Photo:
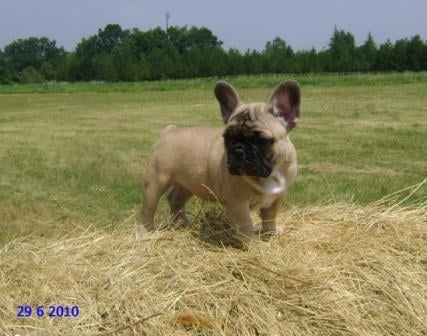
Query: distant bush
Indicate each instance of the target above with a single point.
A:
(30, 75)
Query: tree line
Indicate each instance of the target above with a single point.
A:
(116, 54)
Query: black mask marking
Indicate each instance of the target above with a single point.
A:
(248, 154)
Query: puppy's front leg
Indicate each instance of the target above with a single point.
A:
(240, 217)
(268, 216)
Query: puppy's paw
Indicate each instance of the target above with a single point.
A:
(258, 230)
(266, 234)
(142, 233)
(281, 230)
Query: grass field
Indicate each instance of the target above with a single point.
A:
(78, 159)
(73, 157)
(244, 82)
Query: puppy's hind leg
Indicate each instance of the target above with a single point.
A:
(177, 197)
(155, 187)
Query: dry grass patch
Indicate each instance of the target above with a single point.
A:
(337, 270)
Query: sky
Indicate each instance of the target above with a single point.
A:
(244, 24)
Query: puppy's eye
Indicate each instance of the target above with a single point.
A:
(265, 141)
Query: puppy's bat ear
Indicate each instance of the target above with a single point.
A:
(286, 101)
(228, 99)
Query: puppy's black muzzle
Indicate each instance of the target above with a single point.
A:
(247, 159)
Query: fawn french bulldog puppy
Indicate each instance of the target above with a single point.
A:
(247, 164)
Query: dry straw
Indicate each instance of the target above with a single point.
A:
(337, 270)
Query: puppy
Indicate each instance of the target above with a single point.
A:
(248, 164)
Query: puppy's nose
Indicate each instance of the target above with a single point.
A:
(239, 153)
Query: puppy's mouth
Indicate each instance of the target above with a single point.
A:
(234, 170)
(248, 171)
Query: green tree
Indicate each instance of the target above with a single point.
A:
(384, 60)
(192, 61)
(124, 64)
(343, 51)
(253, 61)
(279, 56)
(234, 61)
(212, 62)
(367, 54)
(4, 71)
(109, 38)
(400, 55)
(63, 69)
(32, 52)
(179, 37)
(160, 63)
(415, 53)
(423, 60)
(48, 71)
(143, 68)
(145, 42)
(104, 68)
(110, 50)
(203, 38)
(177, 67)
(82, 66)
(307, 61)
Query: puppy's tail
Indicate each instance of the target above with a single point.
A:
(167, 129)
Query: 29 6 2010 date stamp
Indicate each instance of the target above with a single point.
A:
(25, 311)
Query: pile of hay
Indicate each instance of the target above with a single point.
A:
(337, 270)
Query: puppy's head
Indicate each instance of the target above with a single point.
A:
(255, 134)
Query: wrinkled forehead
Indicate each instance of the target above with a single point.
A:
(257, 117)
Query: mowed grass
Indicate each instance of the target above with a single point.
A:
(78, 159)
